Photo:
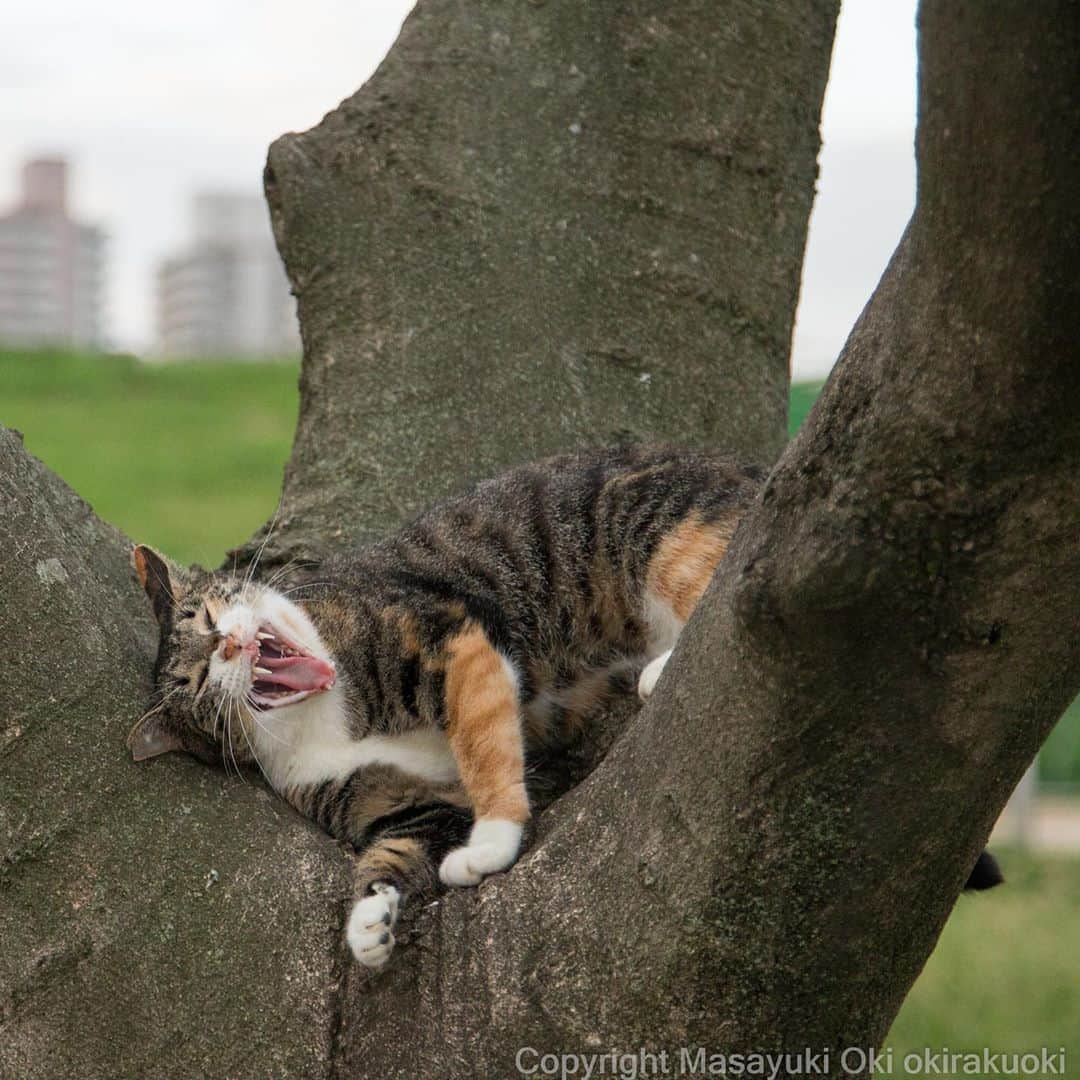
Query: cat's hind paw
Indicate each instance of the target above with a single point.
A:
(493, 846)
(650, 674)
(370, 932)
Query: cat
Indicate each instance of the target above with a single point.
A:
(397, 695)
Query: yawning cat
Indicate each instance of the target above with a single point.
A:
(395, 696)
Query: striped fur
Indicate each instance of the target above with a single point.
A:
(476, 638)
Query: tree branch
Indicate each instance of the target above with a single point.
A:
(149, 915)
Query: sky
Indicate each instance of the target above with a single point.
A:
(152, 102)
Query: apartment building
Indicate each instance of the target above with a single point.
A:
(51, 267)
(227, 294)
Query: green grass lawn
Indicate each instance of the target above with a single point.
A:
(800, 398)
(188, 457)
(1004, 974)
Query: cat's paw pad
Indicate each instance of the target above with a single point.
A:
(650, 675)
(493, 846)
(370, 932)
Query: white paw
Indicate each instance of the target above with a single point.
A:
(647, 682)
(493, 846)
(371, 925)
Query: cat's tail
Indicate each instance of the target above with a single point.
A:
(985, 874)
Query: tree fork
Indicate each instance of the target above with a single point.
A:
(488, 268)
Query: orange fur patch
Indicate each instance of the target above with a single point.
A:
(684, 563)
(484, 727)
(401, 860)
(392, 857)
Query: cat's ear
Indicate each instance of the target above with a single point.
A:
(151, 736)
(156, 578)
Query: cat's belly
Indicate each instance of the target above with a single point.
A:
(424, 754)
(320, 748)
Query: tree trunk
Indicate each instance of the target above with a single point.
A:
(539, 225)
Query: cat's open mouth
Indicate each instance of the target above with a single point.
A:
(284, 672)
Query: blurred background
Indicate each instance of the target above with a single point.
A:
(149, 349)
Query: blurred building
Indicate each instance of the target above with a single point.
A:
(227, 295)
(51, 267)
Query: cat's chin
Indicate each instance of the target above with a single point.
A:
(284, 672)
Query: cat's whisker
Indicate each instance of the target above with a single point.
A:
(306, 585)
(281, 571)
(154, 710)
(272, 734)
(232, 748)
(249, 577)
(255, 713)
(217, 717)
(254, 754)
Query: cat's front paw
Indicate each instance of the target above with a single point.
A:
(370, 932)
(650, 674)
(493, 846)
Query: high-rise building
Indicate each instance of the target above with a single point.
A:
(227, 295)
(51, 267)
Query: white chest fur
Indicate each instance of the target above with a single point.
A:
(309, 743)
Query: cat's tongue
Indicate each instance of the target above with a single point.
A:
(298, 672)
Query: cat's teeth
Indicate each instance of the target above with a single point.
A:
(264, 637)
(263, 671)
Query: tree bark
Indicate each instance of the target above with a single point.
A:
(539, 225)
(155, 921)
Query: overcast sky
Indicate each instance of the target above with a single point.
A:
(152, 102)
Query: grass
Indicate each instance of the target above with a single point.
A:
(1004, 973)
(1059, 759)
(188, 457)
(801, 397)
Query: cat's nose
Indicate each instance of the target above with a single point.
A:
(231, 646)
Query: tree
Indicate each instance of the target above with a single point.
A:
(887, 642)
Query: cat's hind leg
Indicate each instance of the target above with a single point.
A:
(400, 862)
(483, 725)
